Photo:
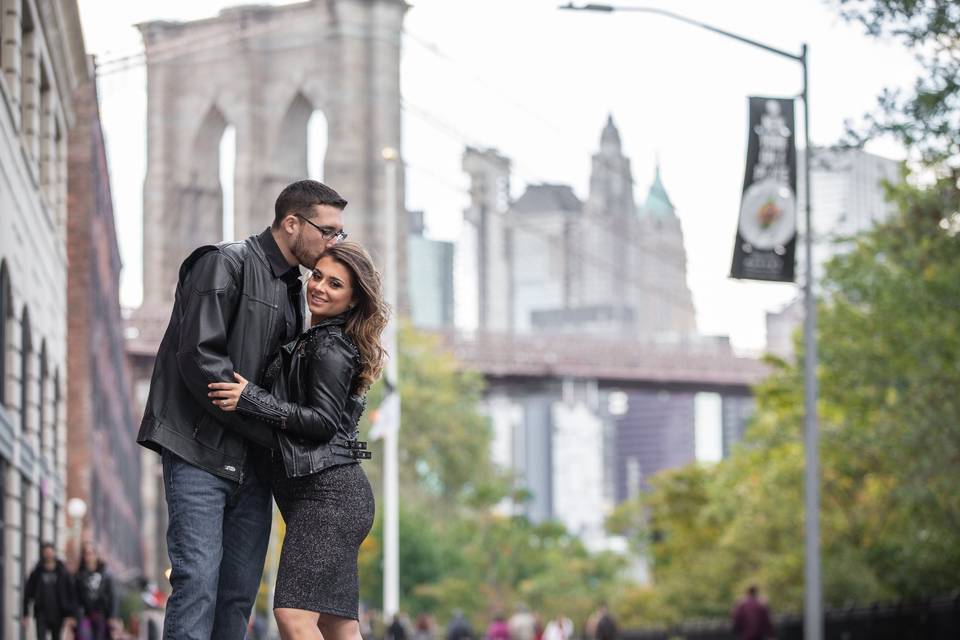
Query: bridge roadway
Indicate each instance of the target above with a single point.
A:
(504, 357)
(610, 361)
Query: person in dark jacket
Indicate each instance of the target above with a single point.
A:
(94, 595)
(48, 589)
(316, 393)
(751, 617)
(234, 305)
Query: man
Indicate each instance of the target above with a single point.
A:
(606, 625)
(751, 617)
(235, 304)
(459, 627)
(48, 589)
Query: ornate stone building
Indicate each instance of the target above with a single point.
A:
(550, 262)
(42, 59)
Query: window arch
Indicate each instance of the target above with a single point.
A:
(42, 400)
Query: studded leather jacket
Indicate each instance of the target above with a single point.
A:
(311, 404)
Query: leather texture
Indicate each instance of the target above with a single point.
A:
(311, 404)
(226, 317)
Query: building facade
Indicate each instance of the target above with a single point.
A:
(104, 469)
(42, 59)
(429, 278)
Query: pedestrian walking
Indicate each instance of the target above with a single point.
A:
(605, 627)
(459, 627)
(49, 591)
(396, 630)
(751, 617)
(235, 304)
(522, 624)
(423, 630)
(312, 397)
(559, 628)
(498, 628)
(95, 597)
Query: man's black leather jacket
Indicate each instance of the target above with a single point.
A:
(227, 316)
(312, 404)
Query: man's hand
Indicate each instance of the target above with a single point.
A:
(226, 395)
(25, 621)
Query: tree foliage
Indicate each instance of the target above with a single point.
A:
(925, 119)
(890, 444)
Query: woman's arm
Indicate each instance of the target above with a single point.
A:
(326, 387)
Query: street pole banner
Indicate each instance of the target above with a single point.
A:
(767, 230)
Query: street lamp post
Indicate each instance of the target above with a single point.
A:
(391, 497)
(813, 606)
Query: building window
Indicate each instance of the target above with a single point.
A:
(3, 538)
(26, 349)
(42, 428)
(6, 311)
(10, 56)
(30, 91)
(42, 401)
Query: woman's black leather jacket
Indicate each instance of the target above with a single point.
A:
(311, 404)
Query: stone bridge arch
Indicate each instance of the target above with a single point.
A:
(264, 70)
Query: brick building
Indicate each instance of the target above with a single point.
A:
(104, 469)
(42, 59)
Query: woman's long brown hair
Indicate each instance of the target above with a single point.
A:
(368, 317)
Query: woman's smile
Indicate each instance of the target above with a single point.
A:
(329, 290)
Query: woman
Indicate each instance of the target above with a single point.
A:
(317, 386)
(94, 596)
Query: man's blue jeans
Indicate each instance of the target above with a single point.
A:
(217, 539)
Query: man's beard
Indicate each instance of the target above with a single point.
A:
(306, 256)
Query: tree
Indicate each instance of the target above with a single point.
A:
(890, 454)
(926, 120)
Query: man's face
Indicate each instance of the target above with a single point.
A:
(48, 555)
(313, 239)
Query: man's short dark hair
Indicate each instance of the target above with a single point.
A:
(47, 545)
(298, 199)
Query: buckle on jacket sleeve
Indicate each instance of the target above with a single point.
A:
(356, 444)
(361, 455)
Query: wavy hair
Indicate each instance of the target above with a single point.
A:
(368, 317)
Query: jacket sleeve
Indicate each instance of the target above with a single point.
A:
(29, 592)
(211, 295)
(329, 374)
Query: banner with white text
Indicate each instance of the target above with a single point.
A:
(767, 230)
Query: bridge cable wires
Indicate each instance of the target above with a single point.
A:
(505, 97)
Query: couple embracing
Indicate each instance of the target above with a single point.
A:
(250, 400)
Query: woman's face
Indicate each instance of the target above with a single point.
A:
(330, 289)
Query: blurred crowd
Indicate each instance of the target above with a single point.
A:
(80, 605)
(522, 624)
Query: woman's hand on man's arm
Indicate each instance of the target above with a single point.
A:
(226, 395)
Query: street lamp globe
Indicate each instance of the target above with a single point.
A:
(76, 508)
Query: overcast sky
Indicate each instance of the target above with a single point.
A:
(538, 83)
